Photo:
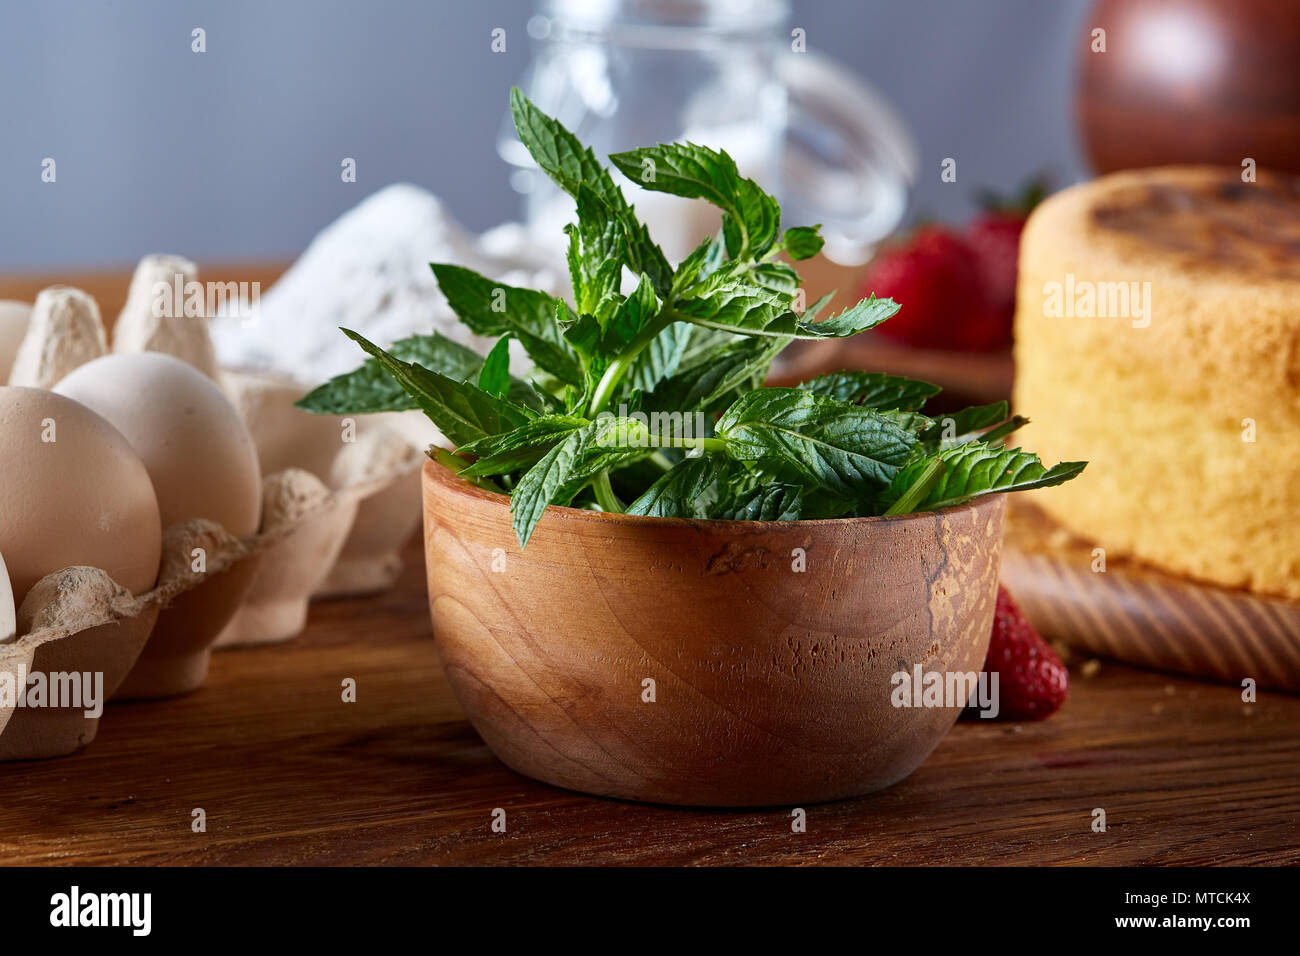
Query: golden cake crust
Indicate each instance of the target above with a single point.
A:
(1157, 332)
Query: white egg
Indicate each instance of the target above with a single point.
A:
(8, 613)
(72, 492)
(197, 450)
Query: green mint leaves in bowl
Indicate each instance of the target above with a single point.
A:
(650, 401)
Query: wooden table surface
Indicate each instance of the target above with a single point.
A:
(287, 773)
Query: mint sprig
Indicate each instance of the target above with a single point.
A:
(647, 386)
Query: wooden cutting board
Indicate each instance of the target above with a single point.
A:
(1135, 613)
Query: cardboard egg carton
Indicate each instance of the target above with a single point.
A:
(92, 641)
(339, 500)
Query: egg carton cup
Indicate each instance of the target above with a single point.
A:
(82, 633)
(207, 572)
(371, 560)
(253, 591)
(374, 461)
(306, 529)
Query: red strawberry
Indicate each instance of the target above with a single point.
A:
(995, 237)
(1032, 681)
(935, 276)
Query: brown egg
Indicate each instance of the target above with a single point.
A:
(72, 492)
(195, 447)
(1191, 81)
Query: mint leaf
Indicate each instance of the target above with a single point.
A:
(706, 258)
(661, 357)
(604, 252)
(489, 307)
(754, 232)
(802, 242)
(847, 449)
(751, 218)
(872, 389)
(371, 389)
(701, 386)
(716, 488)
(494, 376)
(558, 152)
(686, 491)
(979, 469)
(584, 336)
(632, 315)
(922, 482)
(770, 502)
(572, 166)
(964, 426)
(521, 448)
(739, 308)
(577, 266)
(776, 277)
(867, 314)
(461, 411)
(704, 343)
(569, 465)
(913, 422)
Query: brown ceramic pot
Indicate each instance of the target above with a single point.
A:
(771, 685)
(1190, 81)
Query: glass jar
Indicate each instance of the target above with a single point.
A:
(723, 73)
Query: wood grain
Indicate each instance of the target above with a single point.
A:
(288, 774)
(1138, 614)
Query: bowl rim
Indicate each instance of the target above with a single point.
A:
(435, 472)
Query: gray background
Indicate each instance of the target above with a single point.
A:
(234, 154)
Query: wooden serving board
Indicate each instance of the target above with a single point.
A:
(1135, 613)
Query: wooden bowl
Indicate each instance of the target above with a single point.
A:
(688, 662)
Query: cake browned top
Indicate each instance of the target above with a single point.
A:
(1208, 217)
